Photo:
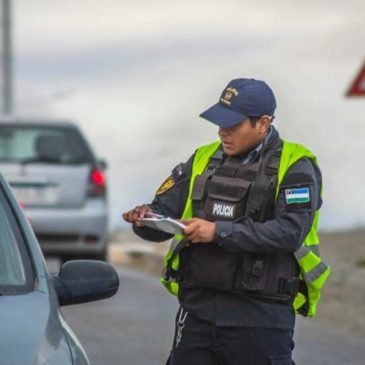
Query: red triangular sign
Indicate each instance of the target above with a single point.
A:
(358, 85)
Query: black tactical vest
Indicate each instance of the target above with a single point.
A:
(231, 191)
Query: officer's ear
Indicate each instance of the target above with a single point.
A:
(264, 124)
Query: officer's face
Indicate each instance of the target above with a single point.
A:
(243, 137)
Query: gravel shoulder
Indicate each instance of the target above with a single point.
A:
(342, 302)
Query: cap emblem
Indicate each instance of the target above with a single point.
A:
(228, 95)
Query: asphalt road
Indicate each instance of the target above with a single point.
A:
(136, 327)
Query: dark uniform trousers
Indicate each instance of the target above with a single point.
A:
(203, 343)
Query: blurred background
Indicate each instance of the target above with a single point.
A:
(134, 76)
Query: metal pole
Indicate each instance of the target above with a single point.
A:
(6, 62)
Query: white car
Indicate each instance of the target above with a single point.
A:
(60, 183)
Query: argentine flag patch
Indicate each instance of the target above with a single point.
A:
(300, 195)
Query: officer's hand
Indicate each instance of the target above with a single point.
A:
(199, 230)
(133, 216)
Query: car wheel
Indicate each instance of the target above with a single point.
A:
(65, 258)
(100, 256)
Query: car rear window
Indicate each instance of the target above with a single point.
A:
(42, 144)
(15, 267)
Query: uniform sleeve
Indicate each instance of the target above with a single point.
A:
(293, 216)
(169, 200)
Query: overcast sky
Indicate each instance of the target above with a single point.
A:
(136, 75)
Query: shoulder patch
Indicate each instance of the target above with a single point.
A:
(166, 185)
(179, 172)
(297, 195)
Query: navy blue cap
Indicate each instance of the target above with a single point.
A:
(242, 98)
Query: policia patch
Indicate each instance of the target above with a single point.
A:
(166, 185)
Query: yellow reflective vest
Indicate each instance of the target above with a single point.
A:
(313, 270)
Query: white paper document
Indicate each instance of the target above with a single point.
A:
(165, 224)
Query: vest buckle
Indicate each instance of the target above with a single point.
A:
(288, 286)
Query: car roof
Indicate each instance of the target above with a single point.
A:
(33, 120)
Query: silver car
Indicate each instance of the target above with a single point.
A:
(60, 183)
(33, 330)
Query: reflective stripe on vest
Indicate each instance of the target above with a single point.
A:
(201, 160)
(312, 269)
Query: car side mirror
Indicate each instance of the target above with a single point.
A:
(103, 165)
(82, 281)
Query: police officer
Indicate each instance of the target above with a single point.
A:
(250, 205)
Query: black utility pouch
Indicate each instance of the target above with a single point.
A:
(198, 194)
(252, 273)
(226, 198)
(200, 182)
(210, 267)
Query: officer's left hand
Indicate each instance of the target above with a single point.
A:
(199, 230)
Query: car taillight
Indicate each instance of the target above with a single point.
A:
(98, 177)
(97, 183)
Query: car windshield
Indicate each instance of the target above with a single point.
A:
(12, 271)
(42, 144)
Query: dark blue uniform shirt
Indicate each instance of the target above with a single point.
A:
(282, 234)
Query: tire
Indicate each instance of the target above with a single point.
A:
(65, 258)
(100, 256)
